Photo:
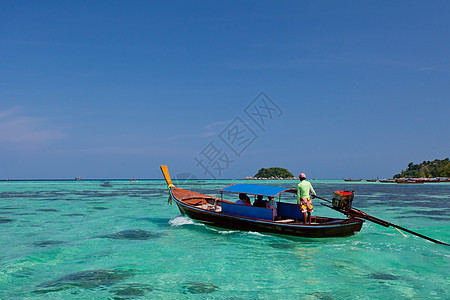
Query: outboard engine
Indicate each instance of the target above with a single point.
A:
(342, 199)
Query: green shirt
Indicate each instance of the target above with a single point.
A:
(303, 190)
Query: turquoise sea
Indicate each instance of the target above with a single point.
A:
(121, 240)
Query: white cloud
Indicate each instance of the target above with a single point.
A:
(218, 123)
(434, 67)
(6, 113)
(30, 131)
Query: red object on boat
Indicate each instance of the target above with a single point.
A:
(342, 199)
(343, 193)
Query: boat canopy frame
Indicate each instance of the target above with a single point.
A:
(256, 189)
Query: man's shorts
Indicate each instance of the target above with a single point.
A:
(306, 205)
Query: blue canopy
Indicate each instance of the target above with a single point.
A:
(255, 189)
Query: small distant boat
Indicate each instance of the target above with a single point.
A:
(78, 179)
(352, 180)
(283, 218)
(386, 180)
(409, 181)
(371, 180)
(133, 180)
(432, 180)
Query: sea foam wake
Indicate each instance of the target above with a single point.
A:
(180, 221)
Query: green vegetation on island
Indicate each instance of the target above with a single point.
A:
(426, 169)
(274, 172)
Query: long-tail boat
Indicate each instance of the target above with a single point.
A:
(409, 181)
(281, 217)
(352, 180)
(386, 180)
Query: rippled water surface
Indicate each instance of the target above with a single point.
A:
(121, 240)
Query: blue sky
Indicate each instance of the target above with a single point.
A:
(113, 89)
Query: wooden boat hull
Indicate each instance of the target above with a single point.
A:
(409, 181)
(320, 227)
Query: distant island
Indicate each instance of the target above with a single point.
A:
(272, 173)
(436, 170)
(426, 169)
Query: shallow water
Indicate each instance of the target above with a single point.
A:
(121, 240)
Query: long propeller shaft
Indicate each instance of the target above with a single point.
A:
(353, 212)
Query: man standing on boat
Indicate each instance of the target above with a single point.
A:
(304, 189)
